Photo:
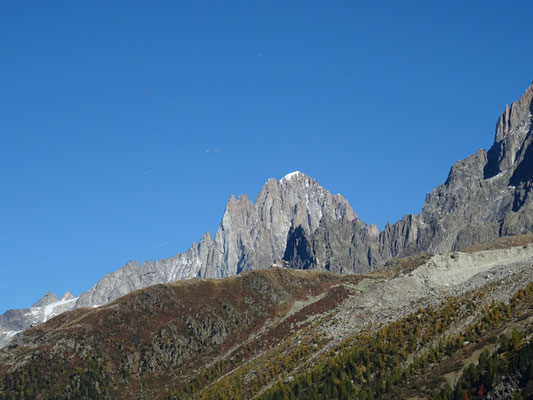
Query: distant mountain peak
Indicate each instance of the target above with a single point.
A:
(47, 299)
(67, 296)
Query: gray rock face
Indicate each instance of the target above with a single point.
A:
(48, 298)
(485, 196)
(512, 129)
(14, 320)
(338, 246)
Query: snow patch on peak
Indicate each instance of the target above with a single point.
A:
(290, 176)
(10, 334)
(50, 309)
(66, 296)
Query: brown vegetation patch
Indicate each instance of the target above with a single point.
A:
(503, 242)
(156, 338)
(406, 264)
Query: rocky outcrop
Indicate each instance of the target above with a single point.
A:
(512, 129)
(485, 196)
(338, 246)
(47, 299)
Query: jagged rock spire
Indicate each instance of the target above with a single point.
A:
(512, 127)
(48, 298)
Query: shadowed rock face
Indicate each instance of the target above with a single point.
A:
(486, 195)
(336, 246)
(298, 249)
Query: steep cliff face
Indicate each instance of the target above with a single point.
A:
(486, 195)
(338, 246)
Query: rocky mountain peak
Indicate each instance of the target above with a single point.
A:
(47, 299)
(514, 115)
(253, 235)
(465, 173)
(67, 296)
(512, 129)
(250, 236)
(302, 200)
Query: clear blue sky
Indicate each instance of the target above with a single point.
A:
(375, 100)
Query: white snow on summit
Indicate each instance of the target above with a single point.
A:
(290, 176)
(49, 309)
